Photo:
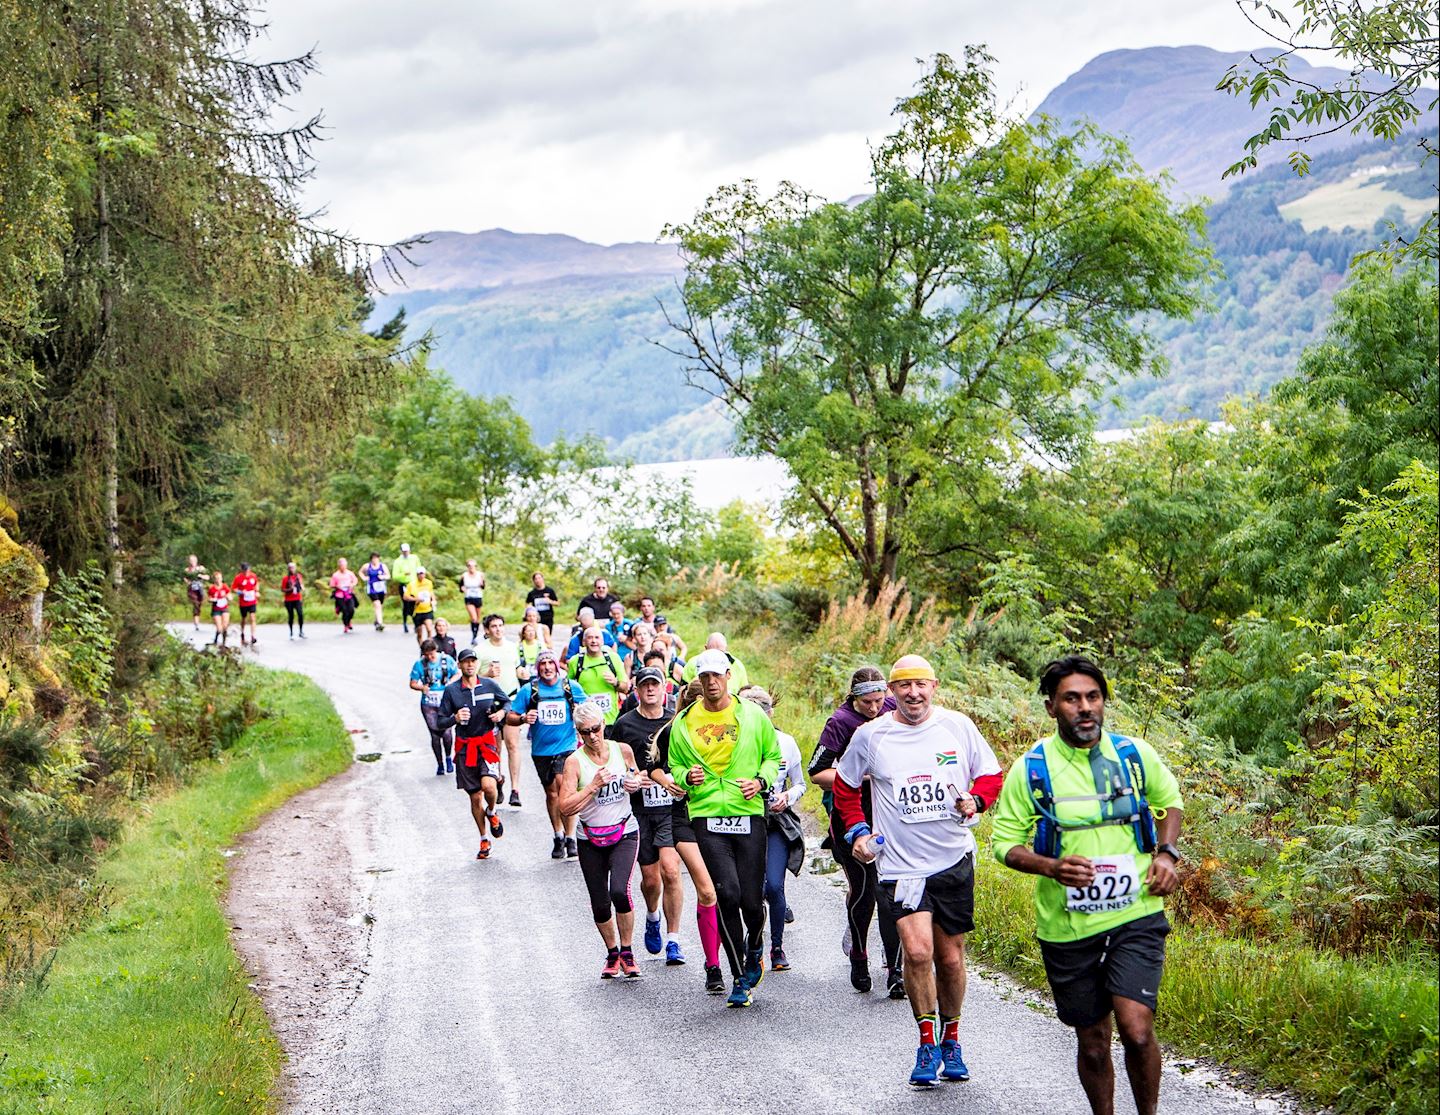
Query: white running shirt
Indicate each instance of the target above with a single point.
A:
(915, 772)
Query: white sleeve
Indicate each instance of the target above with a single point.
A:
(977, 751)
(794, 768)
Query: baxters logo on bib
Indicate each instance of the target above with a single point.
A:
(946, 759)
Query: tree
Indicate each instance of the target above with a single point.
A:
(931, 335)
(1392, 49)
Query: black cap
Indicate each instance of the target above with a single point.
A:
(660, 619)
(468, 652)
(648, 673)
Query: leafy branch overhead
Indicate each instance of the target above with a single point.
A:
(959, 318)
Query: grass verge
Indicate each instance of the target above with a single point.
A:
(147, 1009)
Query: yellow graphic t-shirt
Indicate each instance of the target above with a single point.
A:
(715, 734)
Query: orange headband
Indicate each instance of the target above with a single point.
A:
(912, 673)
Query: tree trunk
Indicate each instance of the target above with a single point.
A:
(109, 433)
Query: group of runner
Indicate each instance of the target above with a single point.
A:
(649, 757)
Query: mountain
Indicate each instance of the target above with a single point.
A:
(569, 329)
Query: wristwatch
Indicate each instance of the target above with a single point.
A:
(764, 786)
(1171, 851)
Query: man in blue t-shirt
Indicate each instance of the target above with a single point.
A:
(547, 705)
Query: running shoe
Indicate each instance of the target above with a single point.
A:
(653, 941)
(754, 969)
(953, 1063)
(571, 848)
(789, 914)
(484, 852)
(497, 830)
(778, 962)
(673, 955)
(292, 636)
(845, 941)
(714, 981)
(628, 965)
(739, 995)
(927, 1067)
(612, 966)
(860, 972)
(558, 851)
(440, 768)
(514, 799)
(449, 765)
(895, 983)
(302, 635)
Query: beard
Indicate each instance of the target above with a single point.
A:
(1081, 733)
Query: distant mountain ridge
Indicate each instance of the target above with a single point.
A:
(568, 329)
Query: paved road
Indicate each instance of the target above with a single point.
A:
(404, 976)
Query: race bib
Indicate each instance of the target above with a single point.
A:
(1116, 885)
(550, 712)
(377, 586)
(602, 701)
(729, 826)
(612, 791)
(656, 796)
(922, 796)
(247, 596)
(432, 697)
(422, 597)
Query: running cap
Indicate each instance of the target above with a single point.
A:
(422, 569)
(712, 662)
(648, 673)
(912, 667)
(660, 619)
(404, 547)
(468, 652)
(546, 656)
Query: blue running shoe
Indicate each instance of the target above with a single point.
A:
(754, 969)
(927, 1067)
(653, 941)
(449, 765)
(740, 997)
(673, 955)
(953, 1063)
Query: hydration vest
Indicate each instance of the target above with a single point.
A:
(1049, 827)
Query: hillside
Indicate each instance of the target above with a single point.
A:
(568, 329)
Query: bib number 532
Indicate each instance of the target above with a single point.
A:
(729, 826)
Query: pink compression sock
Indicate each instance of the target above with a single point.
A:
(708, 919)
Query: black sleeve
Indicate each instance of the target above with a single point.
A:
(823, 759)
(445, 718)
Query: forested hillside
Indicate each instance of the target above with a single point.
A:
(545, 318)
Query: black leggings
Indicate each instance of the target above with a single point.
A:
(442, 743)
(737, 868)
(295, 610)
(345, 609)
(864, 881)
(607, 875)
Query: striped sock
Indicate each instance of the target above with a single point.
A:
(928, 1025)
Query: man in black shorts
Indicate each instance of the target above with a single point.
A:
(543, 597)
(654, 811)
(547, 705)
(474, 705)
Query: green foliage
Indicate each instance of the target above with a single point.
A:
(82, 630)
(904, 350)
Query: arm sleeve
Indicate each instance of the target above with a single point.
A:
(850, 773)
(794, 772)
(822, 759)
(1013, 816)
(445, 717)
(769, 749)
(829, 740)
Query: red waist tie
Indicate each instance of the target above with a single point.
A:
(484, 744)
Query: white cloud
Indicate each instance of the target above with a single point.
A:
(607, 120)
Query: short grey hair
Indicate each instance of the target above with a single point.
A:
(588, 714)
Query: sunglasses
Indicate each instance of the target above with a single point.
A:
(590, 731)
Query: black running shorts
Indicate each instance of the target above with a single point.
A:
(949, 898)
(550, 767)
(1124, 962)
(380, 596)
(247, 610)
(681, 831)
(657, 830)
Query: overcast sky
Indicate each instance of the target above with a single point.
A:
(606, 119)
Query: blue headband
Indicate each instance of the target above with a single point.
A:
(864, 688)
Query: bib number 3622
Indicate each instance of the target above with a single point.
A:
(1116, 885)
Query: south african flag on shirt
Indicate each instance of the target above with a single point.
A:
(945, 759)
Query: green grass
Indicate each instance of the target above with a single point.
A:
(147, 1009)
(1354, 203)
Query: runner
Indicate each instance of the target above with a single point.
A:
(473, 706)
(420, 591)
(1105, 812)
(597, 782)
(403, 570)
(342, 591)
(868, 698)
(707, 917)
(662, 627)
(443, 639)
(724, 752)
(584, 620)
(292, 588)
(195, 577)
(674, 664)
(599, 600)
(377, 583)
(642, 638)
(647, 610)
(219, 594)
(598, 671)
(784, 835)
(527, 648)
(499, 661)
(432, 672)
(543, 599)
(620, 629)
(930, 773)
(654, 811)
(542, 633)
(472, 589)
(548, 704)
(739, 676)
(246, 587)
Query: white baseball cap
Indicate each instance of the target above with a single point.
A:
(404, 547)
(712, 662)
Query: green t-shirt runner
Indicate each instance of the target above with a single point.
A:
(589, 670)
